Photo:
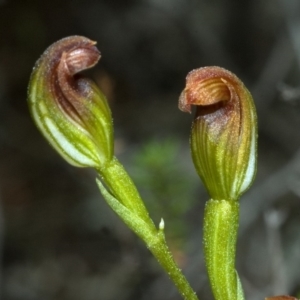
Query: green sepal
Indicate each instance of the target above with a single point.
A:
(224, 132)
(224, 154)
(70, 111)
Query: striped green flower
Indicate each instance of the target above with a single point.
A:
(70, 110)
(224, 132)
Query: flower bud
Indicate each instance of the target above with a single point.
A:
(70, 110)
(224, 132)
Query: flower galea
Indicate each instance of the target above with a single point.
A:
(70, 110)
(224, 131)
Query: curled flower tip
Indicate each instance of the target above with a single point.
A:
(224, 132)
(70, 110)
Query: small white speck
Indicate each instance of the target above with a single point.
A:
(162, 224)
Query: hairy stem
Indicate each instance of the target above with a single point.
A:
(163, 255)
(122, 188)
(220, 236)
(126, 202)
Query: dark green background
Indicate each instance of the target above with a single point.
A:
(59, 240)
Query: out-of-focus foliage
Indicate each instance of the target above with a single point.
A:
(168, 190)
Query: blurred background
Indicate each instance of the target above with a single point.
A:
(58, 238)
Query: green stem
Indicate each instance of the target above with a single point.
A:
(122, 187)
(220, 235)
(161, 252)
(126, 202)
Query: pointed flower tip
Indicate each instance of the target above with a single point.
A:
(70, 111)
(224, 132)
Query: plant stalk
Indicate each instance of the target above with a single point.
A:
(126, 202)
(163, 255)
(220, 235)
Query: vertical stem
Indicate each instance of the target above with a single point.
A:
(220, 235)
